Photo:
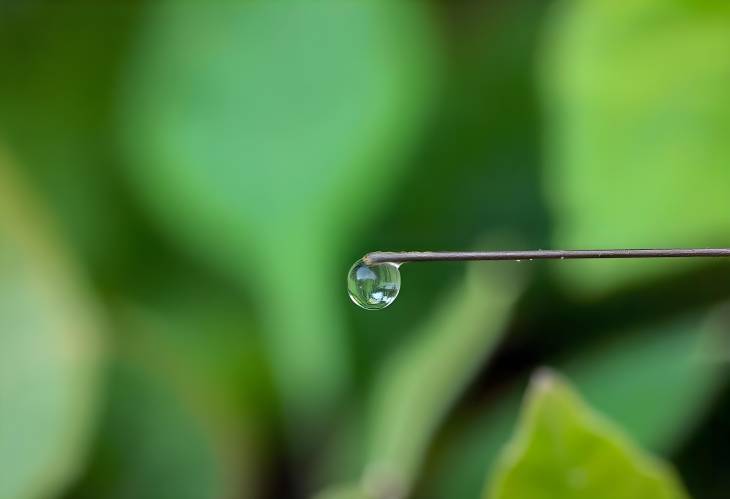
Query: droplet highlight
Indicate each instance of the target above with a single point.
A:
(373, 287)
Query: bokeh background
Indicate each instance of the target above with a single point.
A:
(184, 185)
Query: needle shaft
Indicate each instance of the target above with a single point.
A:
(435, 256)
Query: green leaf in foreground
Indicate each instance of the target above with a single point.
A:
(49, 354)
(563, 449)
(638, 125)
(656, 383)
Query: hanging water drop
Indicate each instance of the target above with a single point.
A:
(373, 287)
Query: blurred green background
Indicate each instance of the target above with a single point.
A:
(183, 187)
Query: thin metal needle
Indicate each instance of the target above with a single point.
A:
(435, 256)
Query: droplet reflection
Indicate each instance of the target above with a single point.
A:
(373, 287)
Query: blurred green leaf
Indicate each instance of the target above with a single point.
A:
(471, 446)
(422, 380)
(263, 134)
(656, 383)
(153, 445)
(189, 364)
(564, 449)
(50, 354)
(56, 93)
(344, 492)
(204, 341)
(638, 121)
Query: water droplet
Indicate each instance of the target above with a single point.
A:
(373, 287)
